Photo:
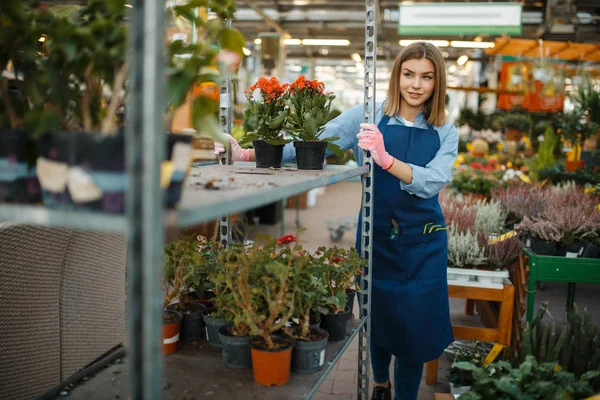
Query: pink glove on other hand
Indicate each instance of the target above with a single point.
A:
(371, 139)
(237, 153)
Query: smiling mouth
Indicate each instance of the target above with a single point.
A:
(414, 94)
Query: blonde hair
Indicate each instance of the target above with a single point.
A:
(434, 108)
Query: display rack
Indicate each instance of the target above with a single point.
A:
(145, 219)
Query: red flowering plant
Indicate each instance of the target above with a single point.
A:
(266, 111)
(337, 268)
(309, 106)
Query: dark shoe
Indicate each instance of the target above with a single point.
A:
(382, 393)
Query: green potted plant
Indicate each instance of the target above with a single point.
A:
(181, 259)
(309, 106)
(574, 128)
(516, 126)
(20, 102)
(338, 268)
(266, 115)
(262, 291)
(461, 379)
(234, 337)
(308, 356)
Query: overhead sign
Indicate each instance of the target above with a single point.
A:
(453, 19)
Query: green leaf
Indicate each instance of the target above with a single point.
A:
(335, 149)
(178, 86)
(232, 39)
(276, 142)
(465, 366)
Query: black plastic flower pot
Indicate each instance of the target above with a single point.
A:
(267, 155)
(308, 357)
(310, 155)
(350, 296)
(57, 152)
(336, 324)
(18, 179)
(572, 250)
(192, 325)
(212, 326)
(179, 152)
(235, 349)
(103, 159)
(590, 251)
(543, 248)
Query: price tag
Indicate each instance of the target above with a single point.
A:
(322, 358)
(206, 329)
(502, 237)
(492, 354)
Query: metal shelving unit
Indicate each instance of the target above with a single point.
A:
(145, 219)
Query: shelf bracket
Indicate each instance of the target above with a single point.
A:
(364, 362)
(225, 118)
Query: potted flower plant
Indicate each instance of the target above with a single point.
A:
(465, 251)
(181, 259)
(544, 236)
(338, 268)
(234, 336)
(515, 126)
(261, 290)
(308, 355)
(267, 115)
(574, 128)
(309, 106)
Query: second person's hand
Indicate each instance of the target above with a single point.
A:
(237, 153)
(371, 139)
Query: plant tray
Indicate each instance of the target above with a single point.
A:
(477, 278)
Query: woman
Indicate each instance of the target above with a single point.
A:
(414, 150)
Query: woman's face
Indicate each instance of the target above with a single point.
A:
(416, 81)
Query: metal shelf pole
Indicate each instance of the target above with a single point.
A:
(225, 117)
(145, 143)
(364, 361)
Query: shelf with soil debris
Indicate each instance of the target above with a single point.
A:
(197, 372)
(216, 190)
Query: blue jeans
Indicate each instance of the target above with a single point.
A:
(407, 377)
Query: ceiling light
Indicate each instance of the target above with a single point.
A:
(325, 42)
(246, 51)
(473, 45)
(292, 42)
(356, 57)
(462, 59)
(128, 6)
(436, 43)
(257, 41)
(452, 69)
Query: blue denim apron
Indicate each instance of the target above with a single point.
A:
(410, 313)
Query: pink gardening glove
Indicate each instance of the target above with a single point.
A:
(237, 153)
(371, 139)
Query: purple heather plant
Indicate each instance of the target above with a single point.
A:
(540, 229)
(521, 200)
(501, 254)
(459, 214)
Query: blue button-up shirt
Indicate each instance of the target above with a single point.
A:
(427, 181)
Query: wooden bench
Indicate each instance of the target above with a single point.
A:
(501, 334)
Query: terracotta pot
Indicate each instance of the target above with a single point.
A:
(171, 331)
(572, 166)
(513, 134)
(271, 367)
